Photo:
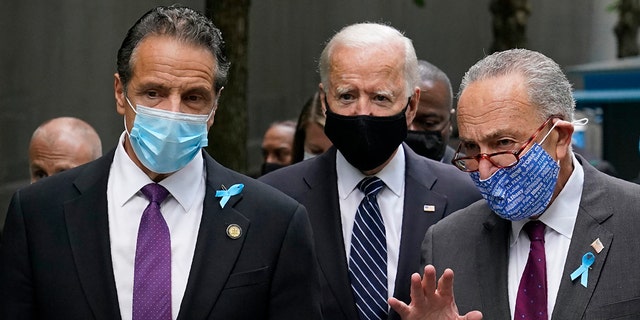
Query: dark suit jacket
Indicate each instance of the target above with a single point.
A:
(313, 183)
(55, 261)
(474, 243)
(449, 153)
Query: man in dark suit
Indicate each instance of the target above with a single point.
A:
(157, 229)
(551, 224)
(430, 130)
(370, 93)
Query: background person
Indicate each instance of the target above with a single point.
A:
(60, 144)
(553, 233)
(157, 229)
(430, 130)
(370, 187)
(277, 145)
(310, 139)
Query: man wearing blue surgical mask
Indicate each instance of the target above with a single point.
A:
(554, 238)
(157, 229)
(370, 197)
(430, 130)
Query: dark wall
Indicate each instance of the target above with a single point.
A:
(58, 57)
(286, 38)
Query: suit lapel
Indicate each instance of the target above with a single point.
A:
(418, 183)
(572, 297)
(327, 229)
(492, 253)
(88, 231)
(215, 253)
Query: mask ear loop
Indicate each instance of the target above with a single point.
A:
(548, 133)
(215, 105)
(579, 122)
(124, 118)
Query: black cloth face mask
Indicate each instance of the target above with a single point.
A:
(366, 141)
(426, 143)
(270, 166)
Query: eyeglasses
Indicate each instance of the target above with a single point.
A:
(502, 159)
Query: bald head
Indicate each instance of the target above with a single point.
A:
(61, 144)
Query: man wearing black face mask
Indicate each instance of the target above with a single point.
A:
(430, 130)
(370, 198)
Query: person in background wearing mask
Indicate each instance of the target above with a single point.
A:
(60, 144)
(310, 139)
(157, 229)
(277, 145)
(430, 130)
(555, 238)
(370, 198)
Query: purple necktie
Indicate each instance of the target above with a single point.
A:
(531, 302)
(152, 275)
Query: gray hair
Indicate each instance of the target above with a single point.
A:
(367, 35)
(429, 72)
(547, 86)
(181, 23)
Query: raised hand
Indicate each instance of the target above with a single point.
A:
(429, 302)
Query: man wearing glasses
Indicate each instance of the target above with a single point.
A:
(555, 238)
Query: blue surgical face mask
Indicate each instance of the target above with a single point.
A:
(166, 141)
(524, 190)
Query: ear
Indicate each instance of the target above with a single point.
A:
(412, 109)
(563, 142)
(118, 86)
(323, 97)
(215, 108)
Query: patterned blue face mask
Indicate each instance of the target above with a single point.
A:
(166, 141)
(524, 190)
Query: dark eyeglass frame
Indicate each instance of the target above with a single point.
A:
(459, 161)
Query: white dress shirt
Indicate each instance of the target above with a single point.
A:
(390, 200)
(559, 219)
(181, 210)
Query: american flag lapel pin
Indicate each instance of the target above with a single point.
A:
(429, 208)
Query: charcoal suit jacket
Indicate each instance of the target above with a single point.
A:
(474, 243)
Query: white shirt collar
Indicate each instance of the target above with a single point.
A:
(181, 184)
(562, 213)
(392, 174)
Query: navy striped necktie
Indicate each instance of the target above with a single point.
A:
(368, 256)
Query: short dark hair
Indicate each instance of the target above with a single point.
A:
(181, 23)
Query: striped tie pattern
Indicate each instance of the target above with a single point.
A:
(368, 256)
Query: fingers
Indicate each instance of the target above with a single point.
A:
(417, 288)
(445, 283)
(473, 315)
(429, 279)
(400, 307)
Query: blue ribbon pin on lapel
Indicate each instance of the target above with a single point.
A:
(226, 194)
(583, 269)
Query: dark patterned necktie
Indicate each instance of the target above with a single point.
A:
(152, 275)
(531, 302)
(368, 256)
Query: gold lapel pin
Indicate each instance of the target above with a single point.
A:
(597, 245)
(234, 231)
(429, 208)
